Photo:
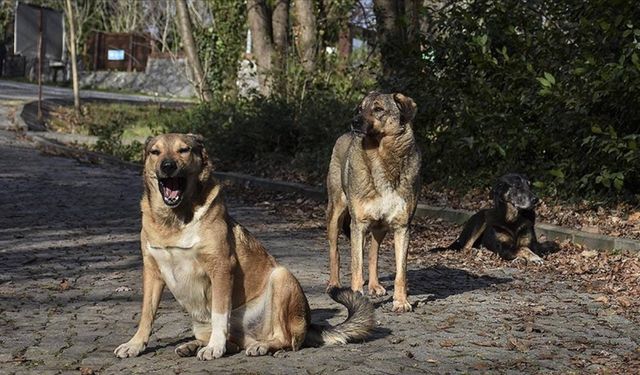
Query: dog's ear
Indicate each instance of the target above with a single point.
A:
(198, 145)
(147, 148)
(407, 107)
(498, 191)
(197, 141)
(356, 121)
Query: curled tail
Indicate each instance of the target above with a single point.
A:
(356, 327)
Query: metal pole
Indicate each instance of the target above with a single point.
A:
(40, 66)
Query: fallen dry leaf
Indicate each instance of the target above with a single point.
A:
(513, 343)
(602, 299)
(624, 302)
(447, 343)
(589, 253)
(64, 285)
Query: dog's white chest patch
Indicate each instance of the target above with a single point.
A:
(386, 207)
(184, 275)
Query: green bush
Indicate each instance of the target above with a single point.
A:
(292, 130)
(546, 88)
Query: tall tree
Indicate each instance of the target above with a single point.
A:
(262, 45)
(306, 28)
(397, 31)
(186, 34)
(270, 40)
(280, 29)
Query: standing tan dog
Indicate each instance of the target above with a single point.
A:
(236, 293)
(373, 184)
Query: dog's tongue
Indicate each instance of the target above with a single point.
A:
(171, 188)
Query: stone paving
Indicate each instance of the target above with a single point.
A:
(70, 292)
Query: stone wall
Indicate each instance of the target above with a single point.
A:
(163, 77)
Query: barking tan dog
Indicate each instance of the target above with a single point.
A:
(373, 184)
(236, 293)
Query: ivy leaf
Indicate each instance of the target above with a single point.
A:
(550, 78)
(557, 173)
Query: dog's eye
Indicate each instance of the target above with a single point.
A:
(154, 152)
(184, 150)
(378, 109)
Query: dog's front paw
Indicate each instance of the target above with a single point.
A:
(401, 306)
(257, 349)
(129, 349)
(535, 259)
(211, 352)
(376, 290)
(189, 349)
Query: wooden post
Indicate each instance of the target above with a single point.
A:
(96, 48)
(130, 53)
(40, 48)
(74, 66)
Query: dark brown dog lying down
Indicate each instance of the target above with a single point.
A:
(508, 228)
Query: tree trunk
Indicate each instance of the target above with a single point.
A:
(306, 26)
(186, 34)
(74, 60)
(280, 27)
(262, 45)
(389, 34)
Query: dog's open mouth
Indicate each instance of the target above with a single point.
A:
(172, 189)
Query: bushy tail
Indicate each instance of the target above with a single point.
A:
(358, 325)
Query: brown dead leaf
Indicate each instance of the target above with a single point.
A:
(624, 302)
(602, 299)
(64, 285)
(447, 343)
(634, 217)
(86, 371)
(513, 343)
(589, 253)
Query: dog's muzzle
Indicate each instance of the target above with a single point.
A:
(172, 190)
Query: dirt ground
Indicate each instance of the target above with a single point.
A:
(70, 290)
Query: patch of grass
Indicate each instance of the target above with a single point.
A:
(121, 128)
(138, 121)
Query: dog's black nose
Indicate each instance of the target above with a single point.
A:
(168, 166)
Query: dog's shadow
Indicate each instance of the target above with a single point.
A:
(439, 282)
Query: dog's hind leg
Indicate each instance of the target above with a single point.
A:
(375, 289)
(286, 316)
(336, 212)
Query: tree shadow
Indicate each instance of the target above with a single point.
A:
(440, 282)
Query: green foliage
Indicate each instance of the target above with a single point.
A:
(110, 140)
(6, 17)
(546, 88)
(294, 129)
(221, 44)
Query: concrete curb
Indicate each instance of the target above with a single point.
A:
(18, 121)
(53, 148)
(457, 216)
(264, 183)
